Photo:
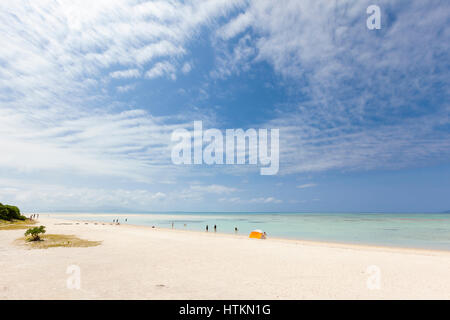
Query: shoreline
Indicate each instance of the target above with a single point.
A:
(336, 244)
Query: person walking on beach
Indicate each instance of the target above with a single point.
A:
(206, 228)
(172, 224)
(215, 228)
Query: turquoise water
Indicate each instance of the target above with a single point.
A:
(418, 230)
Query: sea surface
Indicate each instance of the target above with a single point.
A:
(414, 230)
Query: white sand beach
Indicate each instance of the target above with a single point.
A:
(136, 262)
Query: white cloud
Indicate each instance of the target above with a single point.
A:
(237, 60)
(161, 69)
(214, 188)
(306, 148)
(130, 144)
(265, 200)
(260, 200)
(126, 88)
(231, 200)
(130, 73)
(40, 195)
(236, 26)
(306, 185)
(187, 67)
(366, 99)
(55, 112)
(54, 53)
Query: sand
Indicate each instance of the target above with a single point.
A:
(136, 262)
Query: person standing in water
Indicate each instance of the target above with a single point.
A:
(206, 228)
(215, 228)
(235, 230)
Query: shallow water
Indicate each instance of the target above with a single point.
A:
(418, 230)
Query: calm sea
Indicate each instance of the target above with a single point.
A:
(418, 230)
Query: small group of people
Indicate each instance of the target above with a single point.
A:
(206, 228)
(215, 228)
(117, 220)
(34, 216)
(173, 225)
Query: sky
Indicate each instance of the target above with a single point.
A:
(91, 91)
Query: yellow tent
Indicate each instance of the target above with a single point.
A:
(257, 234)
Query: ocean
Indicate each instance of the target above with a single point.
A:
(413, 230)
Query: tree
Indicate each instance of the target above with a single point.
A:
(35, 232)
(3, 213)
(8, 212)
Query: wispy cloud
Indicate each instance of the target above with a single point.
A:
(130, 73)
(265, 200)
(38, 196)
(55, 111)
(160, 69)
(366, 99)
(306, 185)
(259, 200)
(214, 188)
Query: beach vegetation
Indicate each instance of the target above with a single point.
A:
(16, 224)
(57, 240)
(35, 233)
(9, 213)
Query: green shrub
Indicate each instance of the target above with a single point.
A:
(3, 213)
(35, 232)
(8, 212)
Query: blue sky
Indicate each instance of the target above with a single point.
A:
(90, 93)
